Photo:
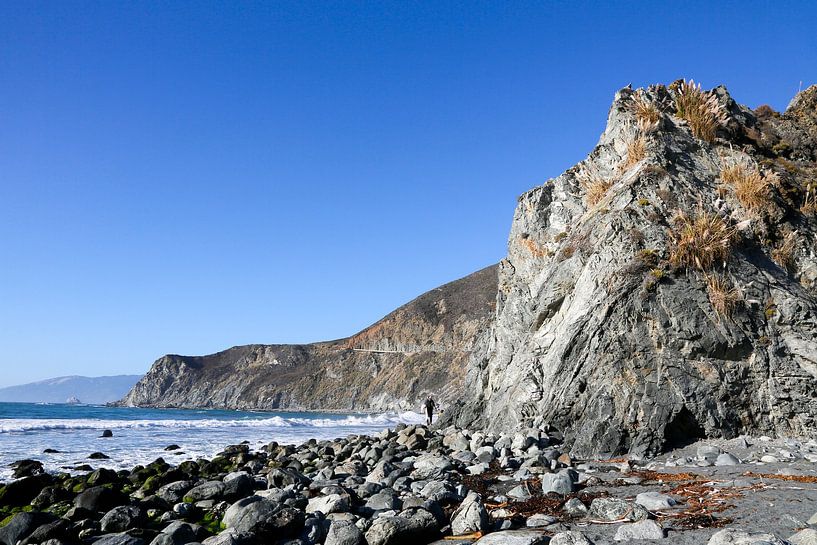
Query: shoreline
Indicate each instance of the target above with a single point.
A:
(412, 483)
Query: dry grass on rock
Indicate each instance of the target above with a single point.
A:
(700, 241)
(752, 188)
(700, 109)
(722, 295)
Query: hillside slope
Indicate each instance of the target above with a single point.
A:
(664, 288)
(421, 348)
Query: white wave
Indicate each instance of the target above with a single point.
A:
(380, 420)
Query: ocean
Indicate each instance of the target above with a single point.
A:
(141, 435)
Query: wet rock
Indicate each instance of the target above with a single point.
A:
(644, 529)
(119, 539)
(122, 518)
(98, 456)
(100, 498)
(22, 491)
(470, 516)
(21, 525)
(107, 433)
(344, 532)
(26, 468)
(206, 491)
(172, 447)
(263, 520)
(175, 491)
(57, 530)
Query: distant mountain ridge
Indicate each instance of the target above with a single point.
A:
(58, 390)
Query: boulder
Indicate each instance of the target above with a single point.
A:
(470, 516)
(560, 483)
(570, 538)
(734, 536)
(655, 501)
(344, 532)
(119, 539)
(264, 520)
(122, 518)
(21, 525)
(333, 503)
(99, 498)
(514, 537)
(807, 536)
(616, 509)
(643, 529)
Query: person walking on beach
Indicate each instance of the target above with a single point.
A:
(429, 405)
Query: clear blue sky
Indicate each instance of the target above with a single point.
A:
(187, 176)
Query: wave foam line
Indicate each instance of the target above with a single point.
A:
(31, 424)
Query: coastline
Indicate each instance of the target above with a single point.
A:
(411, 484)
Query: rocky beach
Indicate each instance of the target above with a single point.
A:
(415, 485)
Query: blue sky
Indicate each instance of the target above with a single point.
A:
(181, 177)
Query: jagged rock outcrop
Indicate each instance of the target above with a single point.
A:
(650, 295)
(419, 349)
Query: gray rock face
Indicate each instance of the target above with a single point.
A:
(605, 335)
(807, 536)
(419, 349)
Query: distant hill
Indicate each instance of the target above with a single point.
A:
(60, 389)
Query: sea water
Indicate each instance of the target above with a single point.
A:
(141, 435)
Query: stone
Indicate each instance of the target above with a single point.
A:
(570, 538)
(807, 536)
(560, 483)
(222, 538)
(99, 498)
(519, 492)
(383, 501)
(655, 501)
(734, 536)
(119, 539)
(98, 456)
(344, 532)
(514, 537)
(539, 520)
(21, 525)
(470, 516)
(769, 459)
(643, 529)
(616, 509)
(575, 508)
(439, 491)
(57, 530)
(333, 503)
(26, 468)
(206, 491)
(813, 519)
(22, 491)
(106, 433)
(122, 518)
(174, 492)
(726, 459)
(263, 519)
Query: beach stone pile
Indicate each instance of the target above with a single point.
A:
(409, 485)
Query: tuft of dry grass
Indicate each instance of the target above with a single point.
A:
(647, 114)
(809, 205)
(701, 110)
(700, 241)
(594, 184)
(752, 188)
(636, 148)
(722, 295)
(783, 255)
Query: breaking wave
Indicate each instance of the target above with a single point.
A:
(378, 420)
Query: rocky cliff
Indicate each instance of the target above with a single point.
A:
(664, 288)
(419, 349)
